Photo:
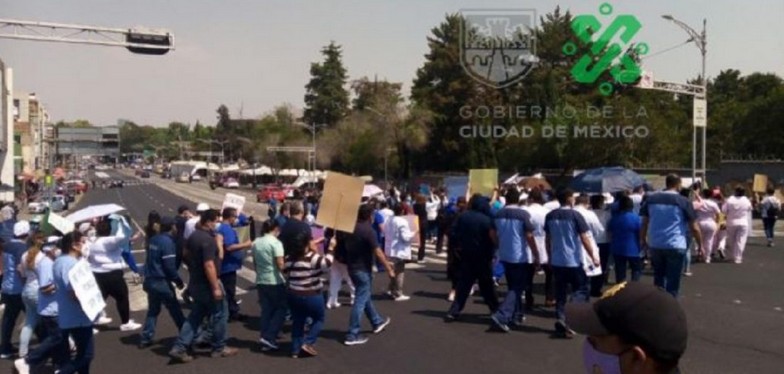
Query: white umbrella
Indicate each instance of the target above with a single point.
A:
(371, 190)
(93, 211)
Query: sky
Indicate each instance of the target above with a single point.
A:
(254, 55)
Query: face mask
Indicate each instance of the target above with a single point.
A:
(57, 252)
(599, 363)
(91, 234)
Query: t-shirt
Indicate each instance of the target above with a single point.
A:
(360, 247)
(513, 224)
(31, 278)
(265, 250)
(767, 203)
(668, 215)
(232, 261)
(564, 226)
(707, 211)
(538, 214)
(624, 229)
(47, 303)
(12, 256)
(738, 210)
(305, 273)
(70, 311)
(289, 233)
(190, 227)
(202, 248)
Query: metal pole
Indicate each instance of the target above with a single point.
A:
(703, 50)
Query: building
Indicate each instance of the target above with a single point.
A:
(30, 122)
(75, 144)
(6, 134)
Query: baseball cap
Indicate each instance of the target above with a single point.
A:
(21, 228)
(50, 243)
(640, 314)
(202, 207)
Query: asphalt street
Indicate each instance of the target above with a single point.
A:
(735, 319)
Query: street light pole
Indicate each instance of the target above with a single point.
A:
(701, 41)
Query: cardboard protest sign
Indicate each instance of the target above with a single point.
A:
(60, 223)
(456, 186)
(760, 183)
(243, 233)
(413, 225)
(340, 202)
(233, 201)
(86, 289)
(483, 181)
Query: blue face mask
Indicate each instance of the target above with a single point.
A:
(600, 363)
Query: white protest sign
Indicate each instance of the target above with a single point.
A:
(86, 289)
(60, 223)
(233, 201)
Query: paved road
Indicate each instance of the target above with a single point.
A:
(735, 319)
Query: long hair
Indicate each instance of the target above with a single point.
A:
(301, 245)
(34, 250)
(153, 224)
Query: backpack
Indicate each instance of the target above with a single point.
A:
(773, 210)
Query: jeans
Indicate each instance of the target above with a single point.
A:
(13, 306)
(229, 281)
(273, 310)
(518, 279)
(363, 282)
(85, 350)
(303, 308)
(769, 223)
(160, 292)
(566, 277)
(54, 345)
(474, 269)
(30, 300)
(668, 268)
(635, 264)
(205, 306)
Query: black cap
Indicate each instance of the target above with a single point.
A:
(167, 221)
(182, 209)
(640, 314)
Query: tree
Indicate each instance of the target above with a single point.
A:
(326, 99)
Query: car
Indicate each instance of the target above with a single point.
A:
(145, 174)
(268, 192)
(116, 184)
(37, 207)
(166, 175)
(76, 185)
(184, 178)
(196, 177)
(58, 203)
(231, 183)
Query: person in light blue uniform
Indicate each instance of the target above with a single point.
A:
(12, 285)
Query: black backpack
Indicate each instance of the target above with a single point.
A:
(773, 210)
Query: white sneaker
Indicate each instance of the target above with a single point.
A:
(403, 298)
(103, 320)
(333, 305)
(21, 366)
(130, 326)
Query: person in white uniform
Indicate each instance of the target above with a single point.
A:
(708, 219)
(738, 209)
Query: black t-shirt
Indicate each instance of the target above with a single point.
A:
(201, 248)
(289, 232)
(359, 247)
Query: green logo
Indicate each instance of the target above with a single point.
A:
(604, 54)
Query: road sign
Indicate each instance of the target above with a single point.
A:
(700, 112)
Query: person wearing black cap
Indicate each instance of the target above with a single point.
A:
(160, 272)
(633, 328)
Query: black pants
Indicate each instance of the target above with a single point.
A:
(229, 281)
(13, 307)
(53, 345)
(475, 270)
(422, 239)
(549, 288)
(598, 282)
(113, 284)
(440, 238)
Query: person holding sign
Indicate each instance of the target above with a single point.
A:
(72, 319)
(160, 272)
(233, 253)
(361, 246)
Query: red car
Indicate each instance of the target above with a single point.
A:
(271, 192)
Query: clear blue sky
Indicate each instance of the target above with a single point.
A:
(257, 53)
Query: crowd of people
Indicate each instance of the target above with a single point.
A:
(574, 240)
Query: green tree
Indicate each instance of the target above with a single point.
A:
(326, 98)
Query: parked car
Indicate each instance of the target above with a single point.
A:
(184, 178)
(231, 183)
(145, 174)
(196, 177)
(37, 207)
(166, 174)
(116, 184)
(268, 192)
(77, 185)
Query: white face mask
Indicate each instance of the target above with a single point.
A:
(57, 252)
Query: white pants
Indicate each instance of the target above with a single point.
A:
(708, 230)
(337, 274)
(736, 241)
